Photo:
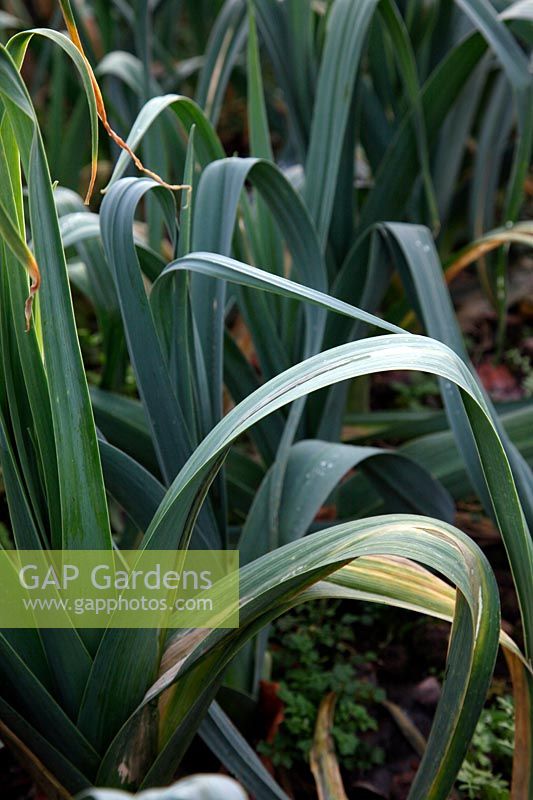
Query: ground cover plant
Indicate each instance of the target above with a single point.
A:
(238, 307)
(302, 658)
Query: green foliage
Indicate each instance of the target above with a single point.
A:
(314, 653)
(521, 362)
(490, 753)
(415, 395)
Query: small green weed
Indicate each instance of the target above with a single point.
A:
(314, 653)
(522, 362)
(417, 394)
(490, 754)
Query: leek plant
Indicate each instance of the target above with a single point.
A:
(305, 261)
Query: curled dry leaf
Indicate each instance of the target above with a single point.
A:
(70, 22)
(324, 764)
